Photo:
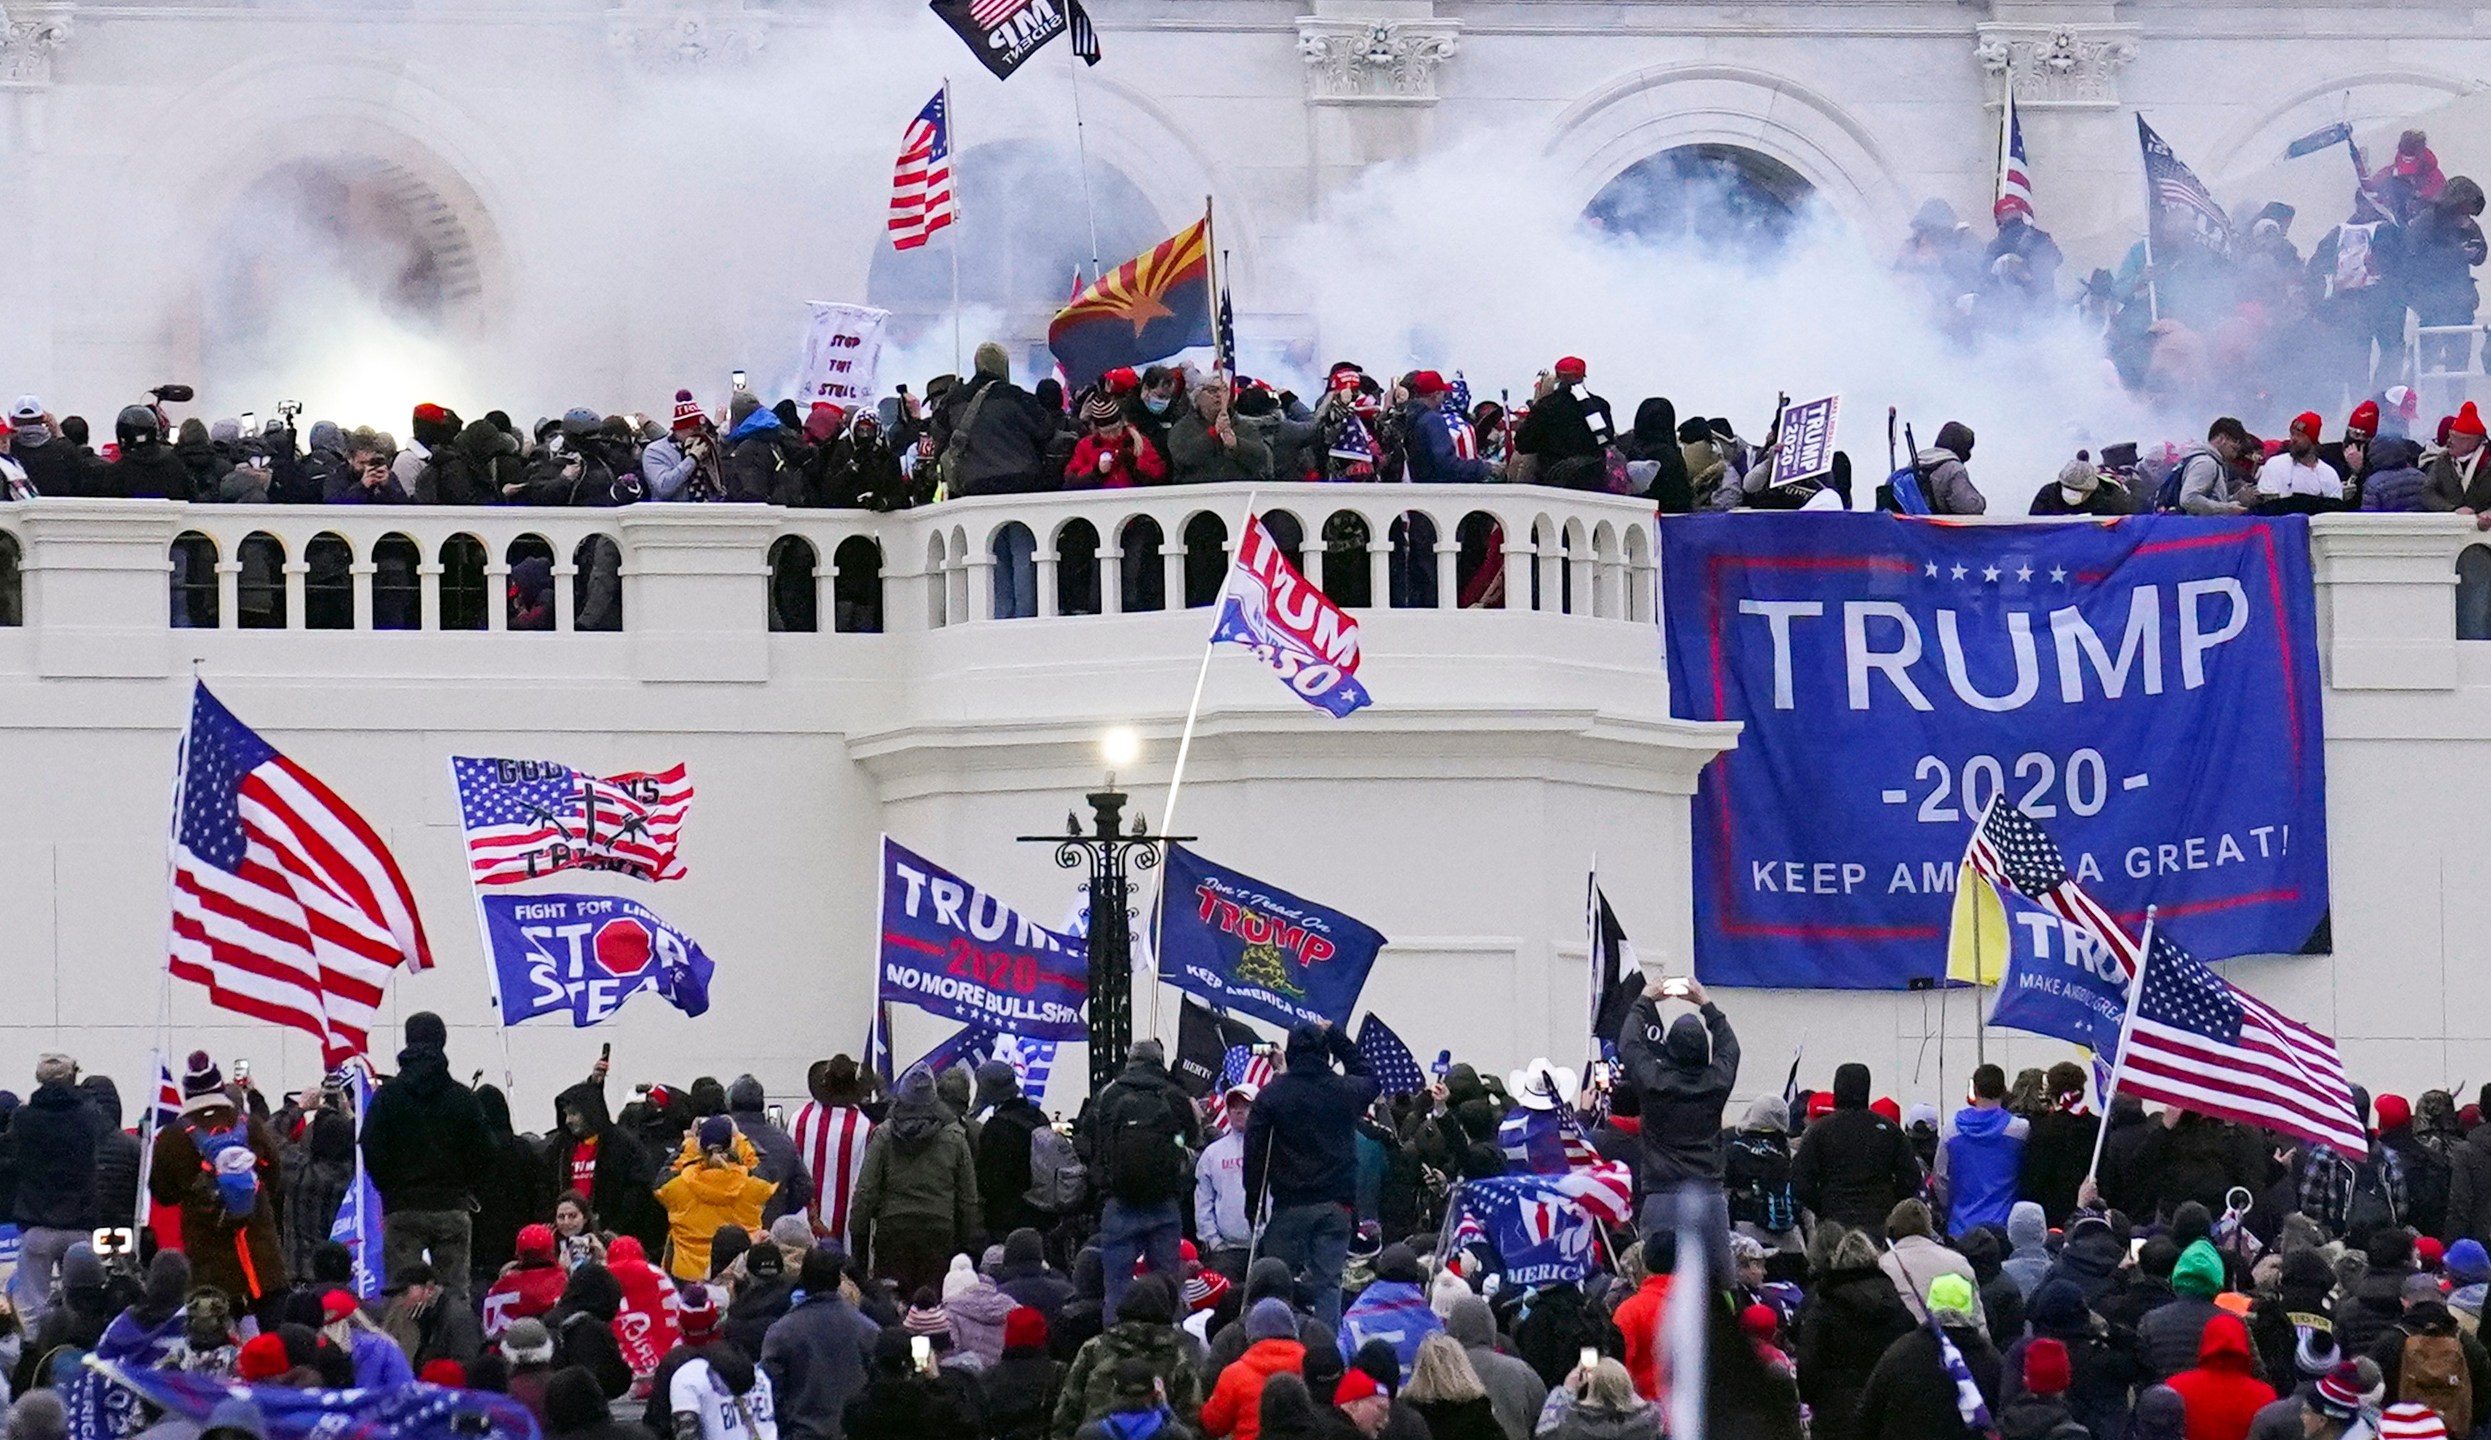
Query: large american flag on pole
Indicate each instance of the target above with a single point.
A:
(921, 182)
(286, 905)
(2200, 1043)
(2015, 178)
(2009, 849)
(529, 818)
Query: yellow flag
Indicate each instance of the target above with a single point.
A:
(1976, 943)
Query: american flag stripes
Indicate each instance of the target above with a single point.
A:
(2015, 180)
(2009, 849)
(525, 819)
(991, 13)
(921, 199)
(830, 1140)
(1245, 1065)
(2180, 205)
(2200, 1043)
(1085, 34)
(286, 904)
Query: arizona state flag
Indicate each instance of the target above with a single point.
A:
(1146, 309)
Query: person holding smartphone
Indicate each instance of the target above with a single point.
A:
(1682, 1073)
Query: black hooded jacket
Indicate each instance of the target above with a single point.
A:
(55, 1133)
(1655, 438)
(424, 1141)
(1301, 1138)
(116, 1155)
(509, 1185)
(1852, 1166)
(582, 1322)
(623, 1194)
(1682, 1079)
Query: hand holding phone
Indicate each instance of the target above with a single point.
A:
(921, 1350)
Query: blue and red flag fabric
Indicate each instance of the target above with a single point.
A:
(1541, 1229)
(1252, 947)
(587, 954)
(1290, 625)
(524, 819)
(357, 1225)
(401, 1412)
(1032, 1061)
(1148, 308)
(951, 948)
(1396, 1069)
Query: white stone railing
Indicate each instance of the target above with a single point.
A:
(97, 587)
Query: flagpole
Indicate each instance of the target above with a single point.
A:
(164, 991)
(484, 939)
(2006, 137)
(951, 125)
(2153, 297)
(1081, 149)
(2127, 1024)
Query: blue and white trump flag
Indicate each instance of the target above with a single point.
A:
(1032, 1061)
(358, 1222)
(1290, 625)
(587, 954)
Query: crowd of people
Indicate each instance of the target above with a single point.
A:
(938, 1257)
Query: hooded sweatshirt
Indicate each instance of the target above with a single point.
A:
(918, 1169)
(1852, 1166)
(2028, 1232)
(424, 1139)
(700, 1198)
(1682, 1077)
(2221, 1394)
(2171, 1333)
(1981, 1161)
(1301, 1137)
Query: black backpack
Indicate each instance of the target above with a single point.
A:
(1756, 1173)
(1142, 1145)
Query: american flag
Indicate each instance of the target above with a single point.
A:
(2200, 1043)
(921, 200)
(830, 1140)
(991, 13)
(1245, 1065)
(529, 818)
(2015, 181)
(2009, 849)
(168, 1106)
(286, 905)
(2182, 206)
(1396, 1069)
(1085, 34)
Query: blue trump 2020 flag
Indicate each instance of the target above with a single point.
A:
(587, 954)
(357, 1225)
(1255, 948)
(401, 1412)
(2059, 979)
(2146, 688)
(951, 948)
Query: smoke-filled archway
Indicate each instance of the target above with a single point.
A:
(1723, 196)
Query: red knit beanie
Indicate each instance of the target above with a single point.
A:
(1025, 1328)
(2045, 1367)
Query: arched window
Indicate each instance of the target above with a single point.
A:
(465, 602)
(795, 606)
(856, 586)
(2473, 593)
(531, 562)
(1076, 568)
(1347, 577)
(1720, 197)
(260, 597)
(1206, 558)
(329, 583)
(1479, 568)
(1413, 574)
(1015, 572)
(194, 582)
(1144, 571)
(397, 583)
(597, 590)
(12, 582)
(937, 582)
(1638, 574)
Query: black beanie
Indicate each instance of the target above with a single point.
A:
(425, 1028)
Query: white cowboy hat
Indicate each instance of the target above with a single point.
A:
(1542, 1086)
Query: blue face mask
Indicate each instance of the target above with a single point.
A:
(1156, 404)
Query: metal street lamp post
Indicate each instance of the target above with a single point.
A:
(1111, 852)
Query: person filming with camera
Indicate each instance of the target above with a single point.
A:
(1681, 1072)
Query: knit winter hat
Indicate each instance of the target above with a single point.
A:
(1270, 1320)
(1025, 1328)
(1101, 409)
(262, 1359)
(961, 1277)
(2337, 1395)
(1355, 1385)
(697, 1315)
(2468, 1262)
(792, 1232)
(992, 359)
(425, 1028)
(2411, 1420)
(2046, 1368)
(528, 1342)
(444, 1372)
(203, 1085)
(1398, 1263)
(688, 412)
(717, 1133)
(927, 1316)
(1951, 1294)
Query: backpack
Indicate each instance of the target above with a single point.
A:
(1904, 492)
(2167, 494)
(227, 1157)
(2433, 1372)
(1756, 1172)
(2369, 1208)
(1058, 1181)
(1139, 1144)
(947, 465)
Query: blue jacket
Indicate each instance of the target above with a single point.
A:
(1982, 1160)
(1301, 1139)
(816, 1355)
(1430, 453)
(1394, 1312)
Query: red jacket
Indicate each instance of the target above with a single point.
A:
(1133, 461)
(1638, 1321)
(1236, 1403)
(528, 1291)
(2221, 1395)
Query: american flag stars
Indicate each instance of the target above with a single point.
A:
(1992, 574)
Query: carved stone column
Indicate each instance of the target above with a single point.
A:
(657, 37)
(1371, 68)
(28, 40)
(2066, 61)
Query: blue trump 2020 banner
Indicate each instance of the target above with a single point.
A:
(1247, 946)
(953, 949)
(587, 954)
(2147, 687)
(2058, 979)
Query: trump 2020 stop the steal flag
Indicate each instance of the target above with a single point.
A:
(2147, 689)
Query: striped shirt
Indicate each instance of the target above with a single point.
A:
(830, 1141)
